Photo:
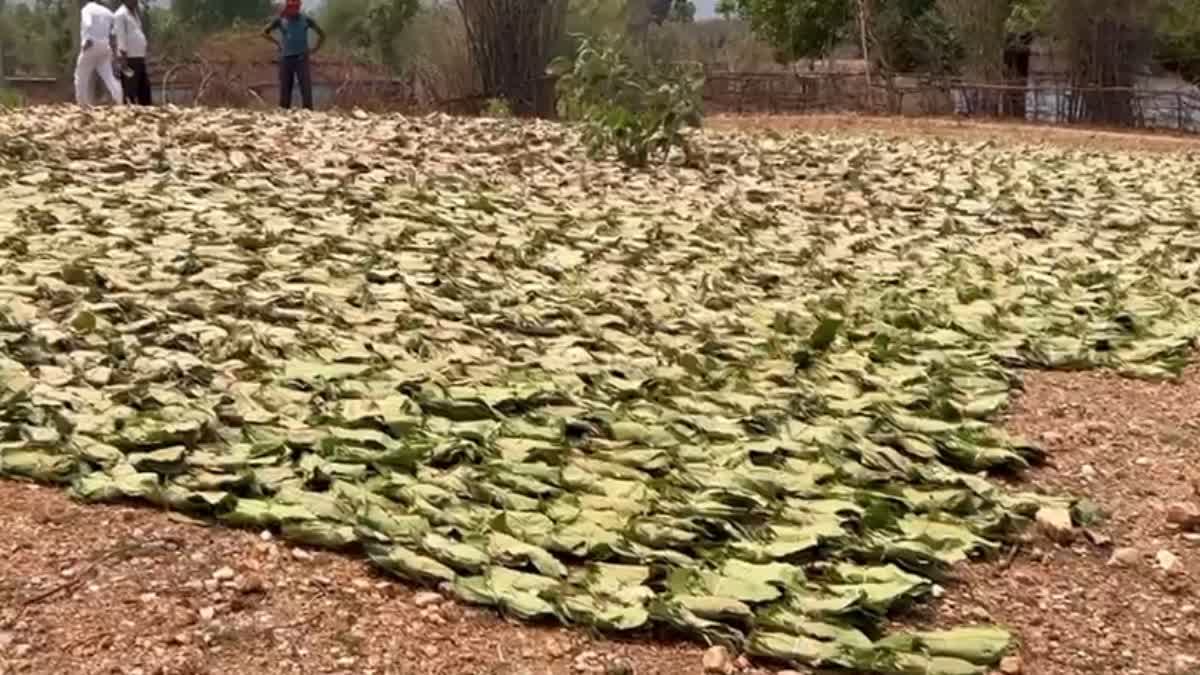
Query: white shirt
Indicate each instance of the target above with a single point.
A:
(131, 39)
(95, 25)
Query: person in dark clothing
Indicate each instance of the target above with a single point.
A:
(293, 26)
(131, 48)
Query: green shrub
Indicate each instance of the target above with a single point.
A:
(497, 107)
(11, 98)
(640, 111)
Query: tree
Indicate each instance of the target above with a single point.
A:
(682, 11)
(511, 44)
(213, 15)
(796, 28)
(911, 35)
(1104, 45)
(1177, 38)
(983, 29)
(371, 28)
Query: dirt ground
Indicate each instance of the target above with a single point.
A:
(124, 589)
(1082, 138)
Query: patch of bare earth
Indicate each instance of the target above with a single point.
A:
(1083, 138)
(120, 589)
(1124, 599)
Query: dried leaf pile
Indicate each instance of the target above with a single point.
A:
(751, 402)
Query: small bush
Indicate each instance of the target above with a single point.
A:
(497, 107)
(11, 98)
(639, 111)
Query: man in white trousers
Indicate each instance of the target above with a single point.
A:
(95, 54)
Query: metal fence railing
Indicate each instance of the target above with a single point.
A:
(1151, 104)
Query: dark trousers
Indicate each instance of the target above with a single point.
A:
(292, 68)
(137, 85)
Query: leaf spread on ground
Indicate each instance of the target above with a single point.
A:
(753, 402)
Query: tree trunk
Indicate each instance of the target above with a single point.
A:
(511, 43)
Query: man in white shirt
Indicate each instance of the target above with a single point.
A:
(131, 48)
(95, 54)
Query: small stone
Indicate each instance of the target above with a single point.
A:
(1142, 461)
(430, 651)
(742, 663)
(557, 650)
(224, 574)
(301, 554)
(266, 535)
(252, 584)
(212, 585)
(1167, 561)
(345, 661)
(1126, 556)
(1055, 523)
(6, 639)
(1097, 538)
(181, 639)
(1011, 665)
(1184, 514)
(21, 651)
(717, 661)
(584, 661)
(1088, 471)
(427, 599)
(147, 598)
(207, 613)
(1185, 665)
(788, 672)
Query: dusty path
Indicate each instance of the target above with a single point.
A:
(135, 590)
(963, 129)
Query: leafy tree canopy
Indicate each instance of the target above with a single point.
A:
(797, 28)
(370, 27)
(211, 15)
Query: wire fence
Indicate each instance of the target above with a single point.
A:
(1155, 103)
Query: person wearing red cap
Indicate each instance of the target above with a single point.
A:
(293, 26)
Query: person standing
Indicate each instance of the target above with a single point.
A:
(293, 26)
(131, 48)
(95, 54)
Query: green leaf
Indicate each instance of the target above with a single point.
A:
(825, 333)
(408, 564)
